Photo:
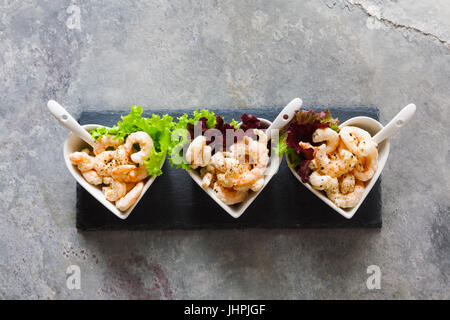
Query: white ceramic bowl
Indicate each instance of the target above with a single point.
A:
(74, 143)
(238, 209)
(372, 126)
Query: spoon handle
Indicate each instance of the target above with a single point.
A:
(69, 122)
(399, 121)
(286, 115)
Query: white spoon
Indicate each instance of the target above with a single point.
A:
(285, 116)
(399, 121)
(69, 122)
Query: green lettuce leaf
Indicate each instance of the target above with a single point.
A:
(184, 120)
(282, 148)
(180, 135)
(234, 123)
(304, 117)
(158, 128)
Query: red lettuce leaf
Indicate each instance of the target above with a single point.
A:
(304, 171)
(307, 153)
(195, 128)
(249, 121)
(222, 126)
(301, 130)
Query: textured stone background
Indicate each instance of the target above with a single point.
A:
(236, 54)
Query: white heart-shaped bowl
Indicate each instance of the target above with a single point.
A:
(372, 126)
(238, 209)
(74, 143)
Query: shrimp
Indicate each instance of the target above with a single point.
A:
(228, 196)
(115, 191)
(258, 151)
(107, 180)
(105, 142)
(322, 182)
(87, 151)
(259, 156)
(367, 166)
(207, 179)
(258, 185)
(328, 135)
(210, 168)
(145, 144)
(313, 165)
(198, 153)
(234, 174)
(129, 173)
(232, 170)
(347, 183)
(340, 163)
(357, 140)
(306, 145)
(223, 167)
(248, 177)
(348, 200)
(85, 164)
(130, 185)
(218, 161)
(92, 177)
(239, 150)
(130, 198)
(82, 160)
(104, 163)
(121, 156)
(331, 186)
(262, 136)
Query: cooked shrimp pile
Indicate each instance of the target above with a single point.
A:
(342, 163)
(118, 167)
(231, 174)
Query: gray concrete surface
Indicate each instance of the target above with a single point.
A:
(236, 54)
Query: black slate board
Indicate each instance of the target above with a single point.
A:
(175, 201)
